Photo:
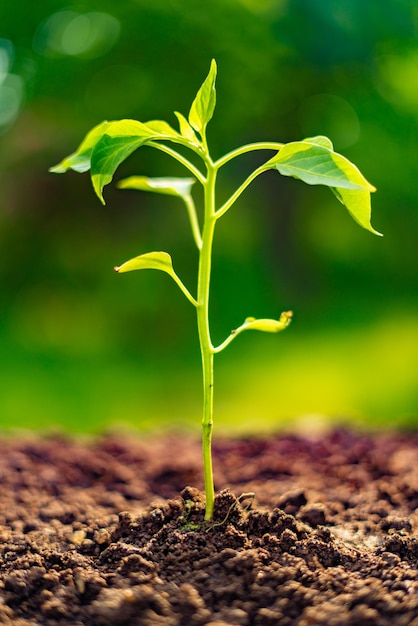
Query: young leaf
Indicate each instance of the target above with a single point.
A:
(131, 128)
(316, 164)
(186, 130)
(320, 140)
(203, 105)
(159, 127)
(179, 187)
(79, 160)
(358, 204)
(119, 141)
(151, 261)
(156, 261)
(107, 155)
(266, 325)
(314, 161)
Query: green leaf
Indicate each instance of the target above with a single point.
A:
(358, 204)
(151, 261)
(179, 187)
(79, 160)
(316, 164)
(314, 161)
(107, 155)
(155, 261)
(203, 105)
(186, 130)
(266, 325)
(119, 141)
(320, 140)
(159, 127)
(130, 128)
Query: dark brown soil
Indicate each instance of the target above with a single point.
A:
(107, 532)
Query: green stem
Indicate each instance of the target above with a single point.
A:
(225, 343)
(267, 145)
(206, 347)
(249, 147)
(180, 158)
(225, 207)
(194, 223)
(184, 289)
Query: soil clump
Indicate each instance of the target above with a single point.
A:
(110, 532)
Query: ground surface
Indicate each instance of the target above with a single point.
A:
(104, 533)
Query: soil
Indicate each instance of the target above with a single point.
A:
(110, 532)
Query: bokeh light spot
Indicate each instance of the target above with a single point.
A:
(4, 63)
(396, 78)
(11, 94)
(68, 33)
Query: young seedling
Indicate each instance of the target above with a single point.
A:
(311, 160)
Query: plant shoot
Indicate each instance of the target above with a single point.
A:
(311, 160)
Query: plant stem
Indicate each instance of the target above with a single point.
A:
(225, 207)
(206, 347)
(260, 145)
(194, 222)
(180, 158)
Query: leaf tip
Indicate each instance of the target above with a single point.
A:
(98, 188)
(117, 268)
(286, 317)
(56, 169)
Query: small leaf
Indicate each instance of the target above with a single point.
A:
(107, 155)
(203, 105)
(313, 161)
(159, 127)
(320, 140)
(265, 325)
(317, 165)
(185, 129)
(358, 205)
(79, 160)
(156, 261)
(151, 261)
(130, 128)
(119, 141)
(180, 187)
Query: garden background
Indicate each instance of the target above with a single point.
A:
(84, 349)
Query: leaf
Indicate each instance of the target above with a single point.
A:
(79, 160)
(203, 105)
(179, 187)
(186, 130)
(320, 140)
(159, 127)
(130, 128)
(314, 161)
(266, 325)
(316, 164)
(156, 261)
(151, 261)
(119, 141)
(358, 205)
(107, 155)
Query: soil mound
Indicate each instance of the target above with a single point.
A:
(108, 533)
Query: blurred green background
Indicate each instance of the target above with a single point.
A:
(84, 349)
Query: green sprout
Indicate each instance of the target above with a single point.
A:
(311, 160)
